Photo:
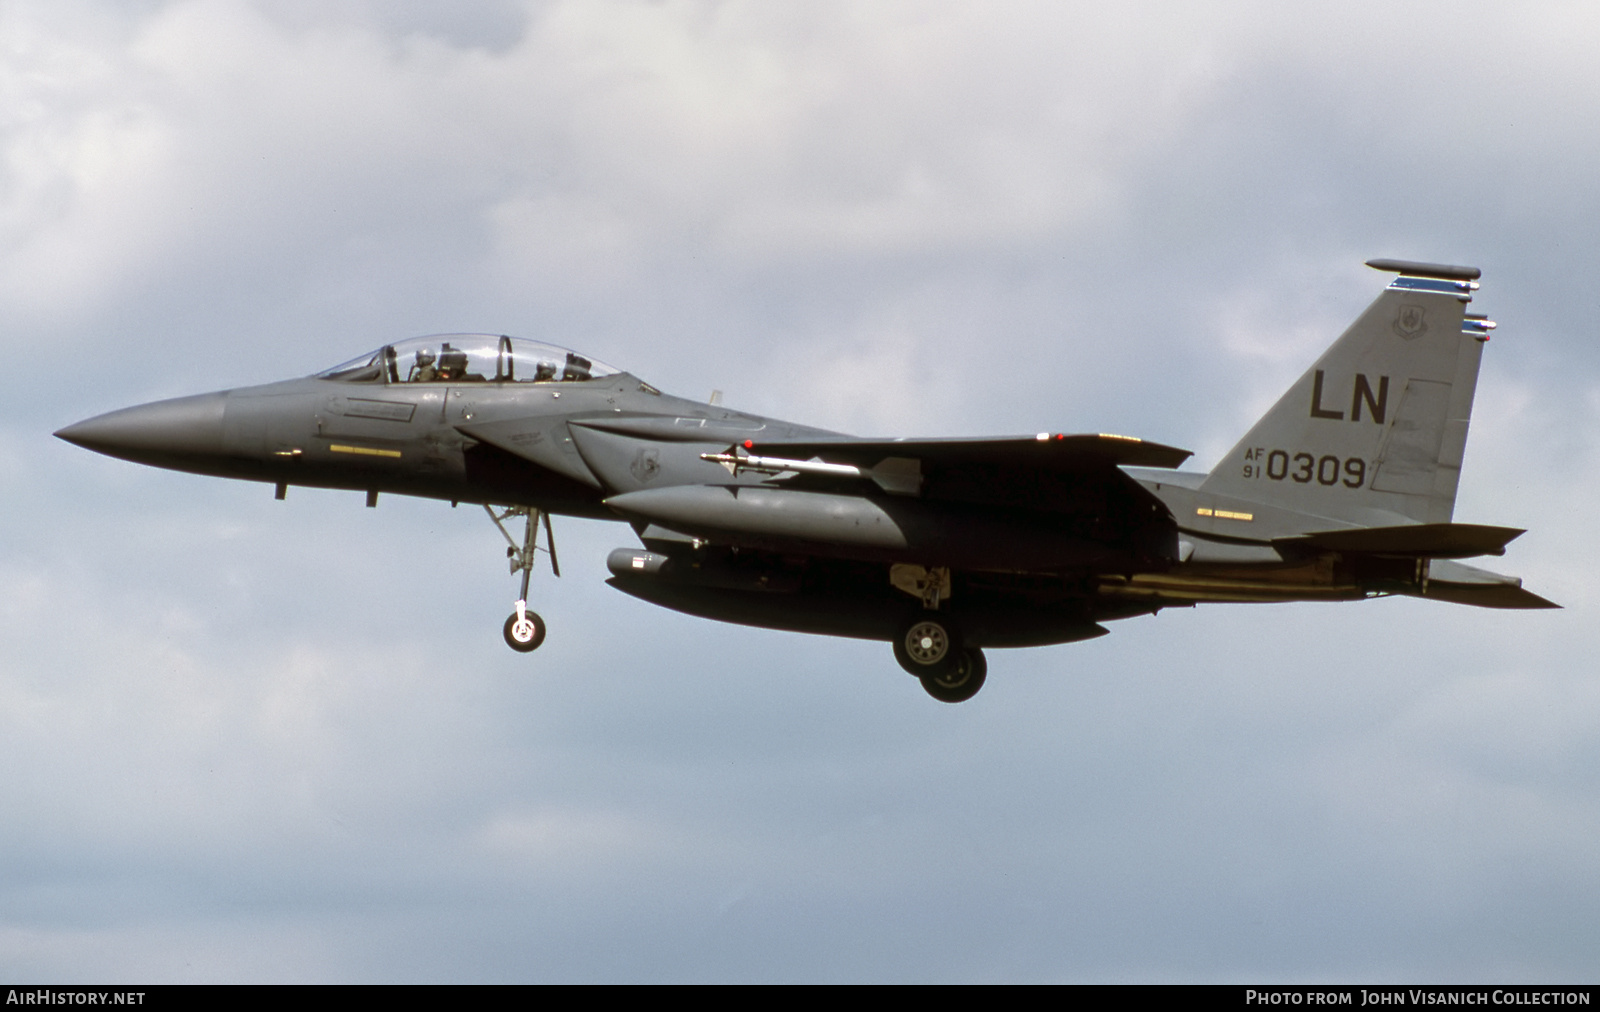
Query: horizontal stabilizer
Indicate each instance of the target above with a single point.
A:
(1459, 583)
(1046, 451)
(1480, 595)
(1435, 541)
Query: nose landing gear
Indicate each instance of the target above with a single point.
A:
(524, 629)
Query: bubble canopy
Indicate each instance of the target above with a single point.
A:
(469, 358)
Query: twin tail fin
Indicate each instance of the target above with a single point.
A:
(1375, 431)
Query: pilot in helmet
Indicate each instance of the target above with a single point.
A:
(423, 371)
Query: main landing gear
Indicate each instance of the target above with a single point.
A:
(524, 629)
(929, 646)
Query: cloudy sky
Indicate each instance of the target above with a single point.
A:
(246, 740)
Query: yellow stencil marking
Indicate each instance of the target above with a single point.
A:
(1224, 514)
(366, 451)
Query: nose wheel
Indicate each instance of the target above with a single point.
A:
(524, 629)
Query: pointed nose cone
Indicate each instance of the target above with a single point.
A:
(173, 433)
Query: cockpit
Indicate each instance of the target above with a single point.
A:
(469, 358)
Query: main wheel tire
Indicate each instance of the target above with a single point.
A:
(962, 681)
(524, 637)
(928, 645)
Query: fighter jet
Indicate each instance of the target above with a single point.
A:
(1344, 490)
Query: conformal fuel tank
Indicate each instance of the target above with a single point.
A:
(888, 528)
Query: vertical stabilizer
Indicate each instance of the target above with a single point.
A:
(1379, 424)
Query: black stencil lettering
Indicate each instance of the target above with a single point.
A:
(1363, 392)
(1277, 465)
(1306, 462)
(1317, 410)
(1355, 472)
(1328, 471)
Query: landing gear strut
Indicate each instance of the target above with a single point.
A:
(524, 629)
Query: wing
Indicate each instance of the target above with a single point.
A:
(1043, 503)
(1048, 472)
(1046, 451)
